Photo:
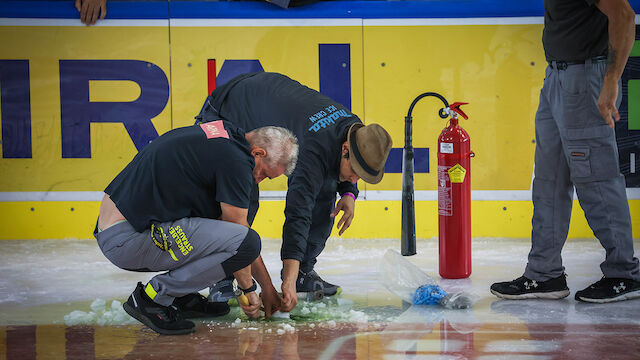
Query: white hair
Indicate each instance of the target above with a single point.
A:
(280, 144)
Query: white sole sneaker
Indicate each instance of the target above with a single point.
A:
(626, 296)
(553, 295)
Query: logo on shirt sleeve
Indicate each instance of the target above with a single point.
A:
(215, 129)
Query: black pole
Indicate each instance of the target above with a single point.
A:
(408, 233)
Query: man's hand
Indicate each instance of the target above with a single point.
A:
(271, 301)
(290, 296)
(89, 10)
(607, 101)
(621, 39)
(253, 309)
(290, 270)
(243, 276)
(269, 295)
(347, 205)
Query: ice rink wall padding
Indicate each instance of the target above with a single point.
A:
(78, 102)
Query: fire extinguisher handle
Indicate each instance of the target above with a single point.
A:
(456, 107)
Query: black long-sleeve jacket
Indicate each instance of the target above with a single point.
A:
(270, 99)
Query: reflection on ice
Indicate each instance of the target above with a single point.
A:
(70, 282)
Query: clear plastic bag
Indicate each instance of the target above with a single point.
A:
(416, 287)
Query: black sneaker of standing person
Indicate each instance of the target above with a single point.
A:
(525, 288)
(311, 282)
(165, 320)
(609, 290)
(197, 306)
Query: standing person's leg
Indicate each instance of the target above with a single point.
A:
(552, 196)
(591, 147)
(319, 231)
(552, 192)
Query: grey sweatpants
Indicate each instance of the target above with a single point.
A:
(576, 148)
(199, 248)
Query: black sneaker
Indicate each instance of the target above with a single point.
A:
(162, 319)
(197, 306)
(312, 282)
(524, 288)
(609, 290)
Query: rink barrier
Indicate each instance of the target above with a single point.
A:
(56, 196)
(373, 219)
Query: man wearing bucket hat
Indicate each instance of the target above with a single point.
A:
(336, 150)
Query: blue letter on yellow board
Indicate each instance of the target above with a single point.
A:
(77, 112)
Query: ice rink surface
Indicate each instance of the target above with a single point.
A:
(61, 299)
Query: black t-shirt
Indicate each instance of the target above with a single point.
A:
(574, 30)
(186, 172)
(260, 99)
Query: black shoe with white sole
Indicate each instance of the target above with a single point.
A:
(609, 290)
(165, 320)
(525, 288)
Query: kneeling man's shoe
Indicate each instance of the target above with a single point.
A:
(222, 291)
(312, 282)
(162, 319)
(609, 290)
(525, 288)
(197, 306)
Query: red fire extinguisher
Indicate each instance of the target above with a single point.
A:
(454, 197)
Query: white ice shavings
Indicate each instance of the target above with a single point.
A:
(101, 315)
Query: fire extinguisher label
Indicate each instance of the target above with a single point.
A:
(444, 191)
(457, 173)
(446, 148)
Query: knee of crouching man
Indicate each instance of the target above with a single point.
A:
(247, 252)
(254, 245)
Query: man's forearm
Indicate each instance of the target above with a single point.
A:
(260, 273)
(236, 220)
(243, 276)
(621, 36)
(290, 268)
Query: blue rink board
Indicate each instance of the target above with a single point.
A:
(260, 9)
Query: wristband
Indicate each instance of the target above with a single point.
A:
(351, 195)
(251, 288)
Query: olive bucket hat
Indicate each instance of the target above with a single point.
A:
(369, 147)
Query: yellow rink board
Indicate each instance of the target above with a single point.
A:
(498, 69)
(374, 219)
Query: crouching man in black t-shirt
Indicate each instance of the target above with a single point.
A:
(181, 206)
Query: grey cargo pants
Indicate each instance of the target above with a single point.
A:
(200, 247)
(576, 148)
